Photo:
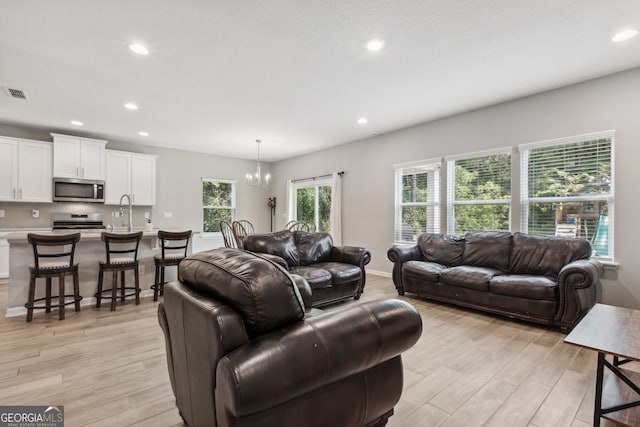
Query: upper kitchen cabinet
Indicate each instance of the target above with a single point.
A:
(130, 173)
(76, 157)
(25, 170)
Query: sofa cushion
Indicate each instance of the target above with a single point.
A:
(313, 247)
(428, 271)
(441, 248)
(545, 255)
(524, 286)
(464, 276)
(316, 277)
(262, 292)
(340, 272)
(490, 249)
(281, 243)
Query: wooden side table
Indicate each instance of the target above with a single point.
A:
(613, 331)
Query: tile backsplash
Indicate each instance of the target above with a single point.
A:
(19, 215)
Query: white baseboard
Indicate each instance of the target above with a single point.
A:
(22, 311)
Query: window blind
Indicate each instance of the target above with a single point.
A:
(417, 204)
(479, 193)
(567, 189)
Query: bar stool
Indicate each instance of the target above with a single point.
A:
(174, 247)
(53, 259)
(121, 255)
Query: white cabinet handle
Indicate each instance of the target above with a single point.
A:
(83, 172)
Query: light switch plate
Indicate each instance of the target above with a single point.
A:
(168, 215)
(147, 215)
(35, 213)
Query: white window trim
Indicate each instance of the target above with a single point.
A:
(451, 185)
(610, 198)
(430, 165)
(311, 183)
(214, 234)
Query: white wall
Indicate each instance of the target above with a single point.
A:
(610, 102)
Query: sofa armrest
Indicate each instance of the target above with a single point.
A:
(293, 361)
(273, 258)
(304, 289)
(351, 255)
(399, 255)
(577, 291)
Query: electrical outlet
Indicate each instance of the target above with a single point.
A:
(1, 213)
(168, 215)
(147, 215)
(35, 213)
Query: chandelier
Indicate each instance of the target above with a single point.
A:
(257, 179)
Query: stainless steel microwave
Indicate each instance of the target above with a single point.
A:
(78, 190)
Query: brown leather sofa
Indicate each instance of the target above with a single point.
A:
(240, 351)
(542, 279)
(333, 273)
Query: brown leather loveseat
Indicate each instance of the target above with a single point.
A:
(240, 351)
(542, 279)
(333, 273)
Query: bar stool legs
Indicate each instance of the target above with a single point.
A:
(48, 299)
(158, 287)
(114, 287)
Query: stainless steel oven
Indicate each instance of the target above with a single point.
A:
(78, 190)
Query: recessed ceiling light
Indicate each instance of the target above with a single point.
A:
(362, 121)
(138, 48)
(375, 45)
(130, 106)
(624, 35)
(143, 133)
(77, 123)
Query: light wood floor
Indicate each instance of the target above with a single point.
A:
(467, 369)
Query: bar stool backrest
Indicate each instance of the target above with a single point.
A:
(121, 248)
(241, 229)
(227, 234)
(174, 244)
(53, 252)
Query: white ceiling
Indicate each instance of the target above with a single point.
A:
(294, 73)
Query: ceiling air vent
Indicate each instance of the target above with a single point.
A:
(16, 93)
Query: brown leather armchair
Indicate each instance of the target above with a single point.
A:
(240, 351)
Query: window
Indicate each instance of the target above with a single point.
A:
(313, 203)
(417, 207)
(567, 189)
(218, 203)
(479, 192)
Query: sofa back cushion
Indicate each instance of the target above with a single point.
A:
(262, 292)
(313, 247)
(490, 249)
(441, 248)
(545, 255)
(281, 243)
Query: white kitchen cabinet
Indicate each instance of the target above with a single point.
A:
(76, 157)
(130, 173)
(25, 170)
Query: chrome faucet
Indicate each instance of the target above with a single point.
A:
(130, 226)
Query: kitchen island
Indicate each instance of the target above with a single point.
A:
(89, 250)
